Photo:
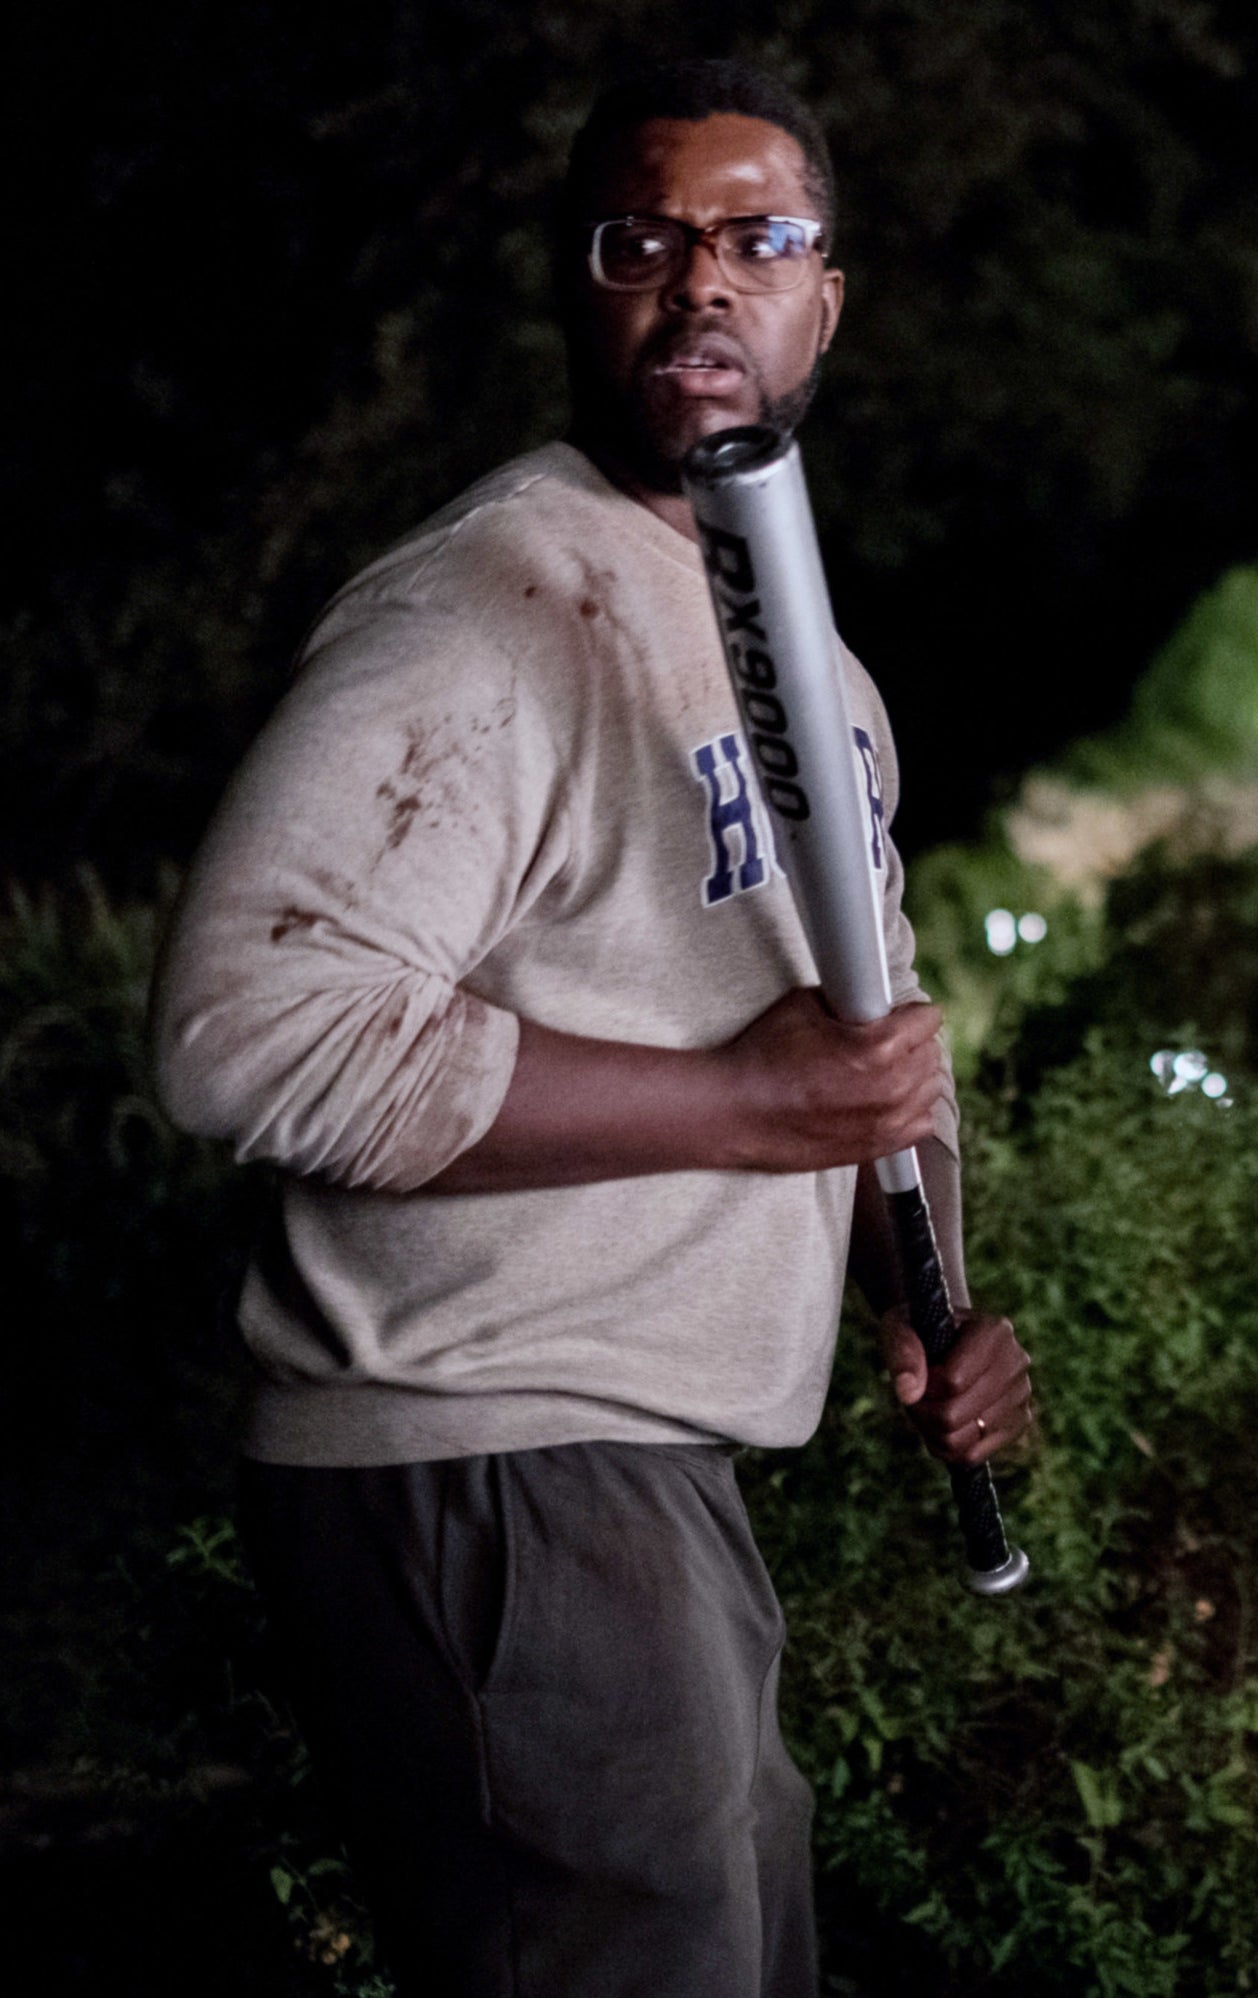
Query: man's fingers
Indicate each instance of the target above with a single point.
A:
(987, 1349)
(909, 1080)
(978, 1400)
(973, 1439)
(810, 1091)
(907, 1042)
(904, 1358)
(919, 1020)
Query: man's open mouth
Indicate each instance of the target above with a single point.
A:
(703, 367)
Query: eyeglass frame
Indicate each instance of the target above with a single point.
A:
(693, 235)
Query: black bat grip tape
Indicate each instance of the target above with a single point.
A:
(993, 1569)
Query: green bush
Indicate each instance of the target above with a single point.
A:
(120, 1239)
(102, 1198)
(952, 893)
(1057, 1789)
(1195, 711)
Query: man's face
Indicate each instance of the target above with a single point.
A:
(653, 371)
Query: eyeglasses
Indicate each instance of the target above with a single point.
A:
(753, 252)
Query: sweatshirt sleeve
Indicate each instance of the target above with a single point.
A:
(316, 1004)
(897, 930)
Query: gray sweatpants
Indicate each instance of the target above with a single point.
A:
(542, 1689)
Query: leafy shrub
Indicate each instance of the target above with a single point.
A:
(119, 1237)
(122, 1234)
(1195, 711)
(953, 893)
(1056, 1789)
(1176, 961)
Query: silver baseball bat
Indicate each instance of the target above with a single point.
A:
(747, 489)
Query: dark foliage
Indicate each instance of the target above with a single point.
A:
(282, 287)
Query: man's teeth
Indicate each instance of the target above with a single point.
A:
(691, 364)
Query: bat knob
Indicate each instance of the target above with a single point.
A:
(1010, 1575)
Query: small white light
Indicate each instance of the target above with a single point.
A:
(1189, 1070)
(1002, 932)
(1191, 1065)
(1032, 928)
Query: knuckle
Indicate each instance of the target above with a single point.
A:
(948, 1374)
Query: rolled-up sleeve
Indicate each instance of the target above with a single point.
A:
(316, 1003)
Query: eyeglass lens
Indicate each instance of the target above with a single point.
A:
(756, 253)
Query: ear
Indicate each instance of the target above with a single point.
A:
(831, 306)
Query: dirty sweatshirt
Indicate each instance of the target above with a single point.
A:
(508, 780)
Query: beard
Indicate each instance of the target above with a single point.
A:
(642, 430)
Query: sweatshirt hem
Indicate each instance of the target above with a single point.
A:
(370, 1423)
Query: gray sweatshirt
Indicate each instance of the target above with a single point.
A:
(507, 781)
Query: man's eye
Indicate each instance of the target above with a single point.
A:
(760, 242)
(756, 243)
(642, 244)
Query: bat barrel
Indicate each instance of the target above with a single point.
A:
(773, 608)
(768, 586)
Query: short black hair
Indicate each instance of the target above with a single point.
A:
(697, 88)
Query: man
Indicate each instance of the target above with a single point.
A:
(487, 951)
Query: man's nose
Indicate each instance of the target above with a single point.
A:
(700, 284)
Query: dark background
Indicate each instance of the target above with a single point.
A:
(277, 286)
(280, 286)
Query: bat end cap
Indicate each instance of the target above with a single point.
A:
(1001, 1581)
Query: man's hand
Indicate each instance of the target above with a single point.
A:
(815, 1092)
(975, 1402)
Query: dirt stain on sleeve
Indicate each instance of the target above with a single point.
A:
(403, 806)
(338, 887)
(291, 919)
(430, 779)
(412, 763)
(403, 794)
